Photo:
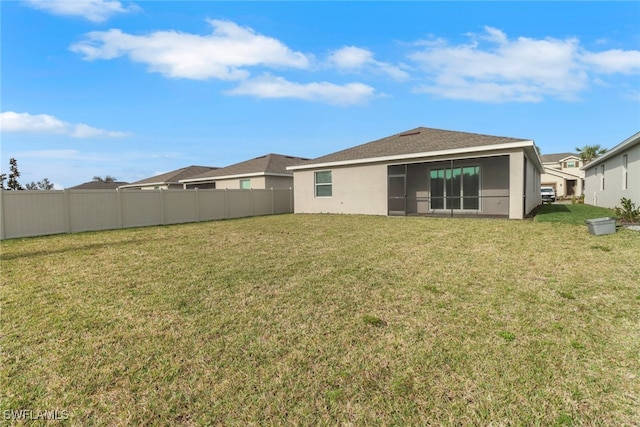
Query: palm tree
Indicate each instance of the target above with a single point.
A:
(590, 152)
(107, 178)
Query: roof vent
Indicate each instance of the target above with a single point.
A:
(410, 133)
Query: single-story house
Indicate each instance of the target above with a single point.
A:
(168, 180)
(562, 172)
(424, 171)
(268, 171)
(614, 175)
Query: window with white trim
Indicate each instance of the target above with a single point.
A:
(602, 177)
(323, 184)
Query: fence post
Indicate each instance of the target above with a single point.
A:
(197, 196)
(66, 210)
(273, 210)
(252, 198)
(291, 200)
(162, 215)
(119, 207)
(1, 214)
(226, 203)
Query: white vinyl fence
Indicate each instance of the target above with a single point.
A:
(36, 213)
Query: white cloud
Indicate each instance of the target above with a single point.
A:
(352, 58)
(493, 68)
(613, 61)
(44, 123)
(224, 54)
(520, 70)
(278, 87)
(93, 10)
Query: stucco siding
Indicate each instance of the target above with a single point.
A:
(533, 197)
(614, 180)
(279, 182)
(355, 190)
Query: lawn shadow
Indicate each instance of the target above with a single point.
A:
(73, 248)
(553, 208)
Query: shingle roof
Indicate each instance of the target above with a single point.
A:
(553, 158)
(98, 185)
(418, 140)
(176, 175)
(269, 164)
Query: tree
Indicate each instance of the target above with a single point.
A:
(12, 182)
(45, 184)
(590, 152)
(107, 178)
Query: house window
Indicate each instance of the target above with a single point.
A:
(245, 184)
(457, 188)
(602, 177)
(625, 173)
(323, 183)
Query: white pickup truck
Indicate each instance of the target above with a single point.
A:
(548, 194)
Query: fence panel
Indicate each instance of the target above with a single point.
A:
(91, 210)
(37, 213)
(24, 215)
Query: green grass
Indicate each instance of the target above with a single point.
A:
(325, 319)
(571, 214)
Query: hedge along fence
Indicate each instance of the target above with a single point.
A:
(37, 213)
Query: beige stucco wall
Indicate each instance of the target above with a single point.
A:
(613, 192)
(356, 190)
(279, 182)
(266, 182)
(533, 198)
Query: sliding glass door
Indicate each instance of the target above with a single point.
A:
(455, 188)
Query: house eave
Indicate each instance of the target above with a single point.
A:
(149, 184)
(236, 176)
(428, 154)
(627, 143)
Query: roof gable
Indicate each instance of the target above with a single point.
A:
(174, 176)
(269, 164)
(557, 157)
(418, 140)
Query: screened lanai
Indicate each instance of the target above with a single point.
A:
(454, 187)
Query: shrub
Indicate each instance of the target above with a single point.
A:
(628, 211)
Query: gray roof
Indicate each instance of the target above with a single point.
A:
(98, 185)
(553, 158)
(418, 140)
(175, 176)
(269, 164)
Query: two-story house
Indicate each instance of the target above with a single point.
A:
(562, 172)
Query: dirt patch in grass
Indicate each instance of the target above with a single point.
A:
(323, 319)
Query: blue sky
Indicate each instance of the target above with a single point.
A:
(134, 89)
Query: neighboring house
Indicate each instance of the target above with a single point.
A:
(614, 175)
(424, 172)
(268, 171)
(168, 180)
(562, 172)
(98, 185)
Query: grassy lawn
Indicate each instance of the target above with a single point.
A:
(325, 319)
(571, 214)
